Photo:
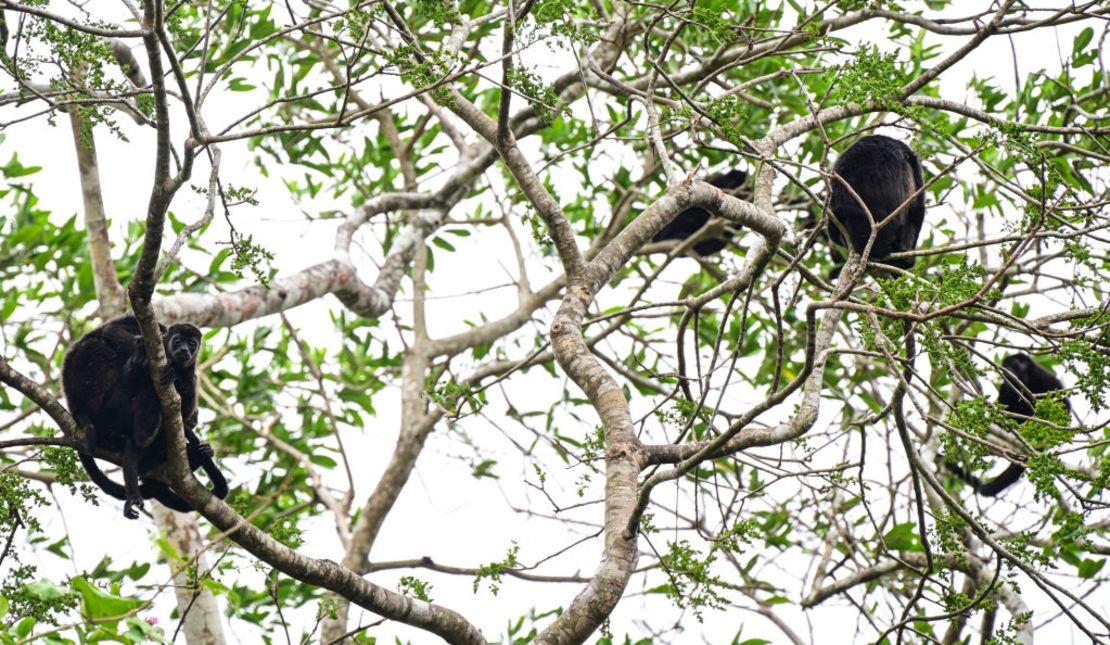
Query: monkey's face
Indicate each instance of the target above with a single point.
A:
(183, 345)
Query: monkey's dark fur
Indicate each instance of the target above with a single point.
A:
(1021, 377)
(884, 173)
(106, 377)
(691, 220)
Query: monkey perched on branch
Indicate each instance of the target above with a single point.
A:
(106, 377)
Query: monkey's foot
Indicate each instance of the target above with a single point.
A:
(129, 508)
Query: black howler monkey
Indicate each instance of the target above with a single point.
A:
(106, 377)
(884, 173)
(691, 220)
(1021, 377)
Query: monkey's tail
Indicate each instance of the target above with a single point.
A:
(100, 479)
(990, 488)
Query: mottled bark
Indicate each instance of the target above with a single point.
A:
(108, 290)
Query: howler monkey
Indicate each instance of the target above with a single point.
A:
(691, 220)
(106, 377)
(1022, 380)
(883, 173)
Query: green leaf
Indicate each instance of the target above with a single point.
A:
(484, 469)
(11, 301)
(323, 460)
(46, 591)
(137, 570)
(25, 626)
(240, 85)
(360, 397)
(15, 169)
(903, 537)
(443, 244)
(1081, 41)
(1088, 568)
(100, 605)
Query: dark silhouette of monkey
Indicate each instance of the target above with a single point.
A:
(691, 220)
(106, 377)
(883, 173)
(1022, 380)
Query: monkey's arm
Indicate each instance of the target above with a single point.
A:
(186, 386)
(200, 456)
(190, 422)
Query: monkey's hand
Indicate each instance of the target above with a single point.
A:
(131, 506)
(198, 454)
(168, 375)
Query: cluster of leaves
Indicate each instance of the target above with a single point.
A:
(873, 77)
(541, 96)
(455, 398)
(415, 587)
(692, 583)
(1091, 366)
(494, 570)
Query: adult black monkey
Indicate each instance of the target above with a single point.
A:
(884, 173)
(691, 220)
(106, 378)
(1022, 380)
